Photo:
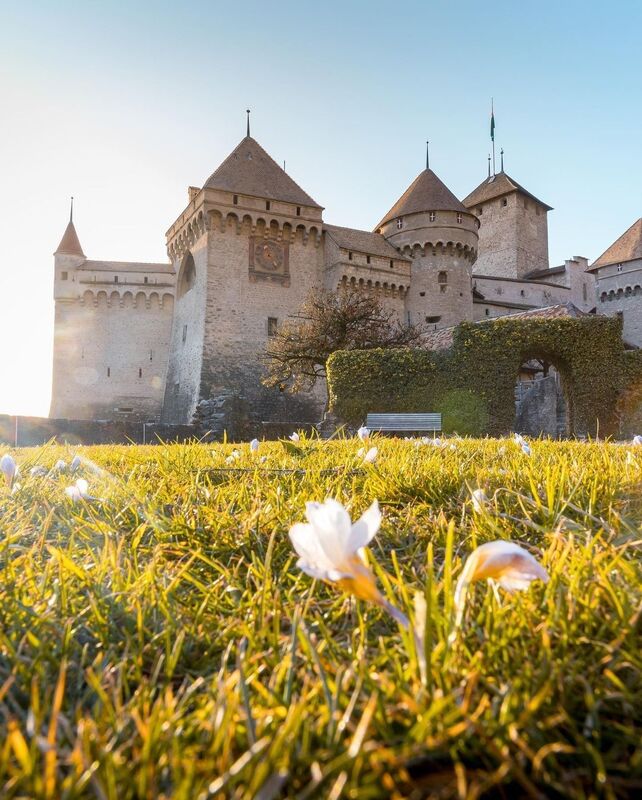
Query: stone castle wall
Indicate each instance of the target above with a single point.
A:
(111, 343)
(619, 291)
(513, 236)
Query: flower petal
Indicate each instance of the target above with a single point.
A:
(365, 528)
(332, 526)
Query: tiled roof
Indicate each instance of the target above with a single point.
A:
(443, 339)
(426, 193)
(250, 170)
(627, 248)
(496, 186)
(70, 243)
(538, 274)
(127, 266)
(363, 242)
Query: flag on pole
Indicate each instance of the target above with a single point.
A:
(492, 123)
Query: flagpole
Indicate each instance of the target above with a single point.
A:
(492, 116)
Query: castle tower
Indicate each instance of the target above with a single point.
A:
(247, 252)
(430, 225)
(513, 232)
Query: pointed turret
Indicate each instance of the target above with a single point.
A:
(426, 193)
(70, 243)
(67, 258)
(431, 226)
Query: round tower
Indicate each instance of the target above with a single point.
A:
(430, 225)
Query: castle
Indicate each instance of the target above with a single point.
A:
(153, 341)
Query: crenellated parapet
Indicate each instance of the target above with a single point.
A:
(119, 298)
(385, 288)
(453, 249)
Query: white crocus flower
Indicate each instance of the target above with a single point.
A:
(371, 456)
(9, 469)
(479, 498)
(254, 445)
(59, 466)
(637, 439)
(75, 464)
(330, 546)
(505, 562)
(363, 433)
(38, 471)
(79, 491)
(294, 437)
(234, 455)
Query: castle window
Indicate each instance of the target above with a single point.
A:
(422, 294)
(350, 256)
(64, 276)
(504, 202)
(235, 199)
(298, 211)
(184, 333)
(177, 386)
(109, 372)
(145, 279)
(267, 205)
(140, 372)
(522, 293)
(151, 355)
(392, 264)
(433, 319)
(272, 324)
(619, 267)
(367, 259)
(487, 312)
(584, 293)
(480, 211)
(459, 217)
(442, 278)
(399, 223)
(124, 409)
(115, 278)
(432, 216)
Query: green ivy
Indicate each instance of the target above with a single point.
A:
(472, 384)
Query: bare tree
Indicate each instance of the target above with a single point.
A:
(329, 321)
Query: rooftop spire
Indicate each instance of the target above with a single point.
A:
(501, 155)
(70, 244)
(489, 165)
(427, 155)
(248, 121)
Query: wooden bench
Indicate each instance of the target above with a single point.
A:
(406, 423)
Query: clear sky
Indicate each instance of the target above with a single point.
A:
(126, 104)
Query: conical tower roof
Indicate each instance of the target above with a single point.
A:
(426, 193)
(70, 244)
(250, 170)
(627, 248)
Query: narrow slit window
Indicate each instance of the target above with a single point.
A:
(235, 199)
(140, 372)
(64, 276)
(109, 372)
(184, 333)
(298, 211)
(272, 325)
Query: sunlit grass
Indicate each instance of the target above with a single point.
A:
(162, 643)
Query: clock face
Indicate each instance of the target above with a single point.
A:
(269, 260)
(269, 256)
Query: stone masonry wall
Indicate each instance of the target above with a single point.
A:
(513, 236)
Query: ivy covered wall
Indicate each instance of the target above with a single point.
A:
(472, 383)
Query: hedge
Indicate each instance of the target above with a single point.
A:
(472, 383)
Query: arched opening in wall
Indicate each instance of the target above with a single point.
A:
(187, 275)
(543, 404)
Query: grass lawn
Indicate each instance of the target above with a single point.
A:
(162, 643)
